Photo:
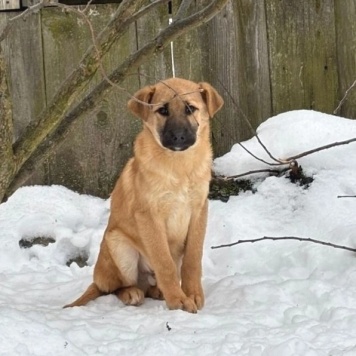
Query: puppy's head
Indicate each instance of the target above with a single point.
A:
(176, 111)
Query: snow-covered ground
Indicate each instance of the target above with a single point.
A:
(269, 298)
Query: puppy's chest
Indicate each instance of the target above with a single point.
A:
(179, 195)
(176, 205)
(169, 201)
(176, 210)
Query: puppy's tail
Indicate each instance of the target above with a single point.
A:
(91, 293)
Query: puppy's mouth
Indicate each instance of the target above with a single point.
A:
(178, 140)
(177, 148)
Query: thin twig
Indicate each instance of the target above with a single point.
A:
(258, 158)
(321, 148)
(346, 196)
(287, 238)
(247, 121)
(87, 6)
(182, 9)
(344, 98)
(272, 171)
(292, 158)
(32, 9)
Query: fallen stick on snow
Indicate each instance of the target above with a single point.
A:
(287, 238)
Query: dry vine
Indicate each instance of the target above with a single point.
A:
(290, 161)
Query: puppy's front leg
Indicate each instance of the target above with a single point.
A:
(155, 244)
(191, 270)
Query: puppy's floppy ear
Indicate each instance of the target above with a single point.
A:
(137, 103)
(212, 99)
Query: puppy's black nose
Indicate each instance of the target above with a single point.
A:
(178, 138)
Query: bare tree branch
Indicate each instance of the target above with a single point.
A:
(346, 196)
(136, 16)
(32, 149)
(289, 160)
(287, 238)
(70, 89)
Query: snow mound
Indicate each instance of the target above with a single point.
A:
(282, 298)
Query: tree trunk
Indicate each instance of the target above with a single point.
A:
(7, 163)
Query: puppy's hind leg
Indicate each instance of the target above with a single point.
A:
(126, 259)
(107, 278)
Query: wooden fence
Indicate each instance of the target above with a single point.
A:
(264, 57)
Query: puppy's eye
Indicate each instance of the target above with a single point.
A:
(190, 109)
(163, 111)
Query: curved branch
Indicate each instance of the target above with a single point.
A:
(287, 238)
(321, 148)
(258, 158)
(253, 131)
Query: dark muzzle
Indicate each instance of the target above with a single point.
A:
(178, 137)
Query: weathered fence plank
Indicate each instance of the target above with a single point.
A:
(264, 57)
(186, 50)
(235, 48)
(23, 49)
(345, 19)
(303, 65)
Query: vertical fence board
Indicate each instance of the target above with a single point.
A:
(235, 47)
(186, 49)
(302, 54)
(345, 18)
(23, 49)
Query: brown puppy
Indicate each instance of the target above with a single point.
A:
(159, 205)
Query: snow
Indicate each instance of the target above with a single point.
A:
(270, 298)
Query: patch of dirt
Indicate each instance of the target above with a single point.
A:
(222, 189)
(80, 260)
(40, 240)
(297, 176)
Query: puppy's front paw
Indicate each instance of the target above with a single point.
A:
(198, 299)
(183, 303)
(196, 294)
(131, 296)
